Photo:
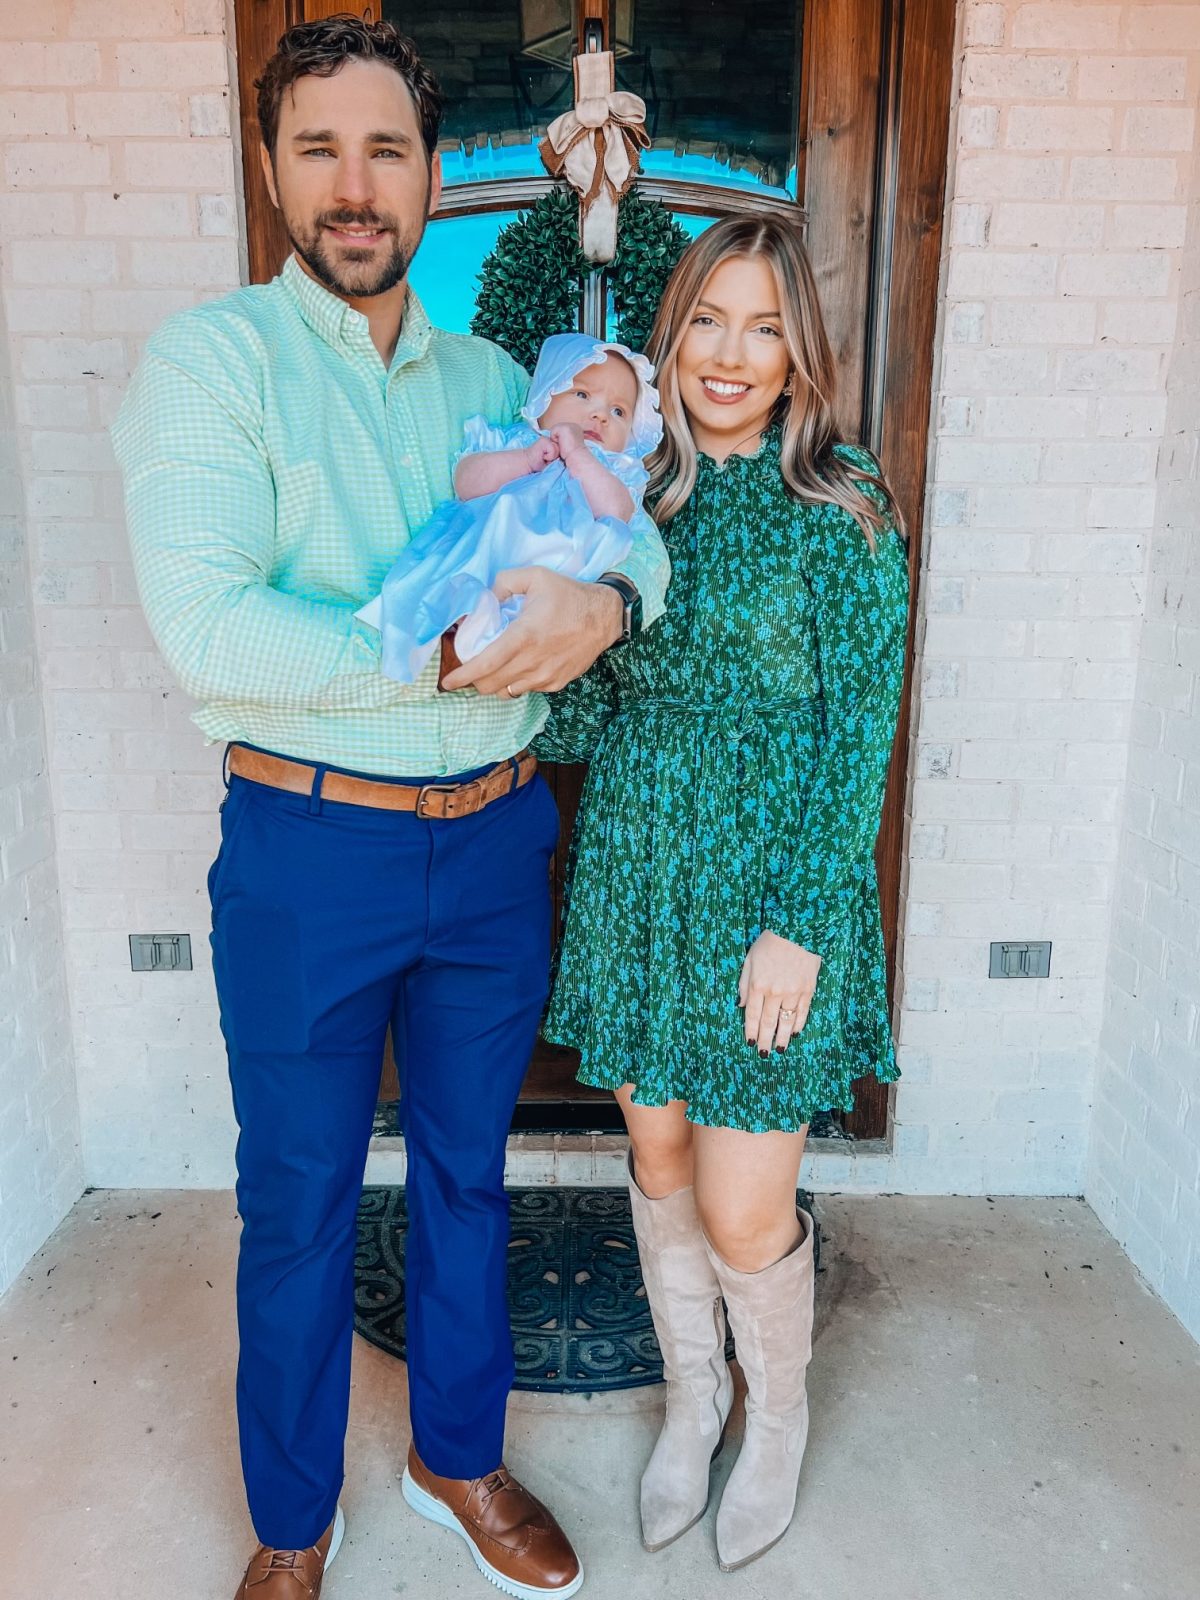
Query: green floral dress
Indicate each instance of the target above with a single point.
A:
(738, 750)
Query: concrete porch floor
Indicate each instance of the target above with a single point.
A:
(1001, 1411)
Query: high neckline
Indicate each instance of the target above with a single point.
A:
(768, 447)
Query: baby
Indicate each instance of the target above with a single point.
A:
(556, 490)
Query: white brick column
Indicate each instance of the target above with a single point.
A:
(1144, 1167)
(41, 1171)
(119, 209)
(1073, 140)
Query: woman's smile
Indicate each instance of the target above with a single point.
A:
(723, 392)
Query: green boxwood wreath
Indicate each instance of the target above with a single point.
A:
(531, 283)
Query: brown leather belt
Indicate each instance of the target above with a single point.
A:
(439, 801)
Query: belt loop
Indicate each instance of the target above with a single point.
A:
(314, 798)
(515, 764)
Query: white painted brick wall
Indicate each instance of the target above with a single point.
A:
(120, 207)
(1072, 146)
(1143, 1175)
(1074, 138)
(41, 1170)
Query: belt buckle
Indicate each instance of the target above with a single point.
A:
(425, 791)
(472, 802)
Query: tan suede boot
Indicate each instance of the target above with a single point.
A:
(685, 1302)
(771, 1313)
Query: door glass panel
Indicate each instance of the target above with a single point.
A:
(721, 107)
(720, 79)
(445, 270)
(505, 69)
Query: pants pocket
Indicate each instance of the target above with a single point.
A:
(257, 942)
(233, 812)
(258, 959)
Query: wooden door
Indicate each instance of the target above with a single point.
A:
(833, 109)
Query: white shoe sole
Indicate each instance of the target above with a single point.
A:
(434, 1511)
(339, 1533)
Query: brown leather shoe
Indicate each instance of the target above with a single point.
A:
(514, 1540)
(292, 1574)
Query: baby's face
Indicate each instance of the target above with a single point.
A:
(600, 401)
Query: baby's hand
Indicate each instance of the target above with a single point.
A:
(540, 454)
(568, 439)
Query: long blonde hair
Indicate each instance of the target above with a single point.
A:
(811, 469)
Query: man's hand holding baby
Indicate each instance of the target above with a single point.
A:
(563, 626)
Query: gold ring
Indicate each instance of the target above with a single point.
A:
(508, 689)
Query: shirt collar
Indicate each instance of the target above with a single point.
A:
(346, 329)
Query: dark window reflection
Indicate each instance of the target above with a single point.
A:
(720, 80)
(505, 67)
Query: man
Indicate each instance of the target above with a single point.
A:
(384, 852)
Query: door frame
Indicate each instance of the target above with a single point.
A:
(874, 131)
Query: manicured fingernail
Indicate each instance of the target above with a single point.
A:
(779, 1049)
(764, 1054)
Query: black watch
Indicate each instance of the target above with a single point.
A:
(631, 621)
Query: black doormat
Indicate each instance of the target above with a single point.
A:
(580, 1320)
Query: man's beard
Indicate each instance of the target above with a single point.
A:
(356, 274)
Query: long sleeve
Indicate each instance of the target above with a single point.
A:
(860, 611)
(648, 566)
(201, 503)
(578, 716)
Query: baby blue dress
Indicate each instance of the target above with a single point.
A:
(445, 574)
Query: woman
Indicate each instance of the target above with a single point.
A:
(722, 963)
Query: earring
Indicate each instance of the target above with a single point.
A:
(787, 388)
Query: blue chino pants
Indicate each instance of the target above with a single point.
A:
(331, 922)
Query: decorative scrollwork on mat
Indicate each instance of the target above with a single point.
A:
(580, 1320)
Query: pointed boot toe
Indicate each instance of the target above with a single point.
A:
(675, 1484)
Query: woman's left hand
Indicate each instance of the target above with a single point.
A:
(775, 990)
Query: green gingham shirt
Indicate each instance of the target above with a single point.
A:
(274, 468)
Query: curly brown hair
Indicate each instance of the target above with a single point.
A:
(319, 49)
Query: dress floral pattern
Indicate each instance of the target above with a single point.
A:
(739, 751)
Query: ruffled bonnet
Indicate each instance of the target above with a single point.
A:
(565, 355)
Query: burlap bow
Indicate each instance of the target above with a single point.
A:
(596, 147)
